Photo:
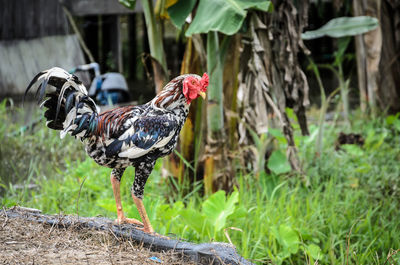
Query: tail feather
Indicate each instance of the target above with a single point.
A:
(69, 108)
(34, 80)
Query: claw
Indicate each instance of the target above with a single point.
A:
(125, 220)
(148, 230)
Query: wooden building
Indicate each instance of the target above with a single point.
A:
(36, 35)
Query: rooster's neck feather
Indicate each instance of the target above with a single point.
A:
(171, 97)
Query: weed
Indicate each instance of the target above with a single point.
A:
(348, 212)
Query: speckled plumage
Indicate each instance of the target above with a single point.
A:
(127, 136)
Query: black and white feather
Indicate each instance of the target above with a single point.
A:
(126, 136)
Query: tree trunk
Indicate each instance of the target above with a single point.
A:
(378, 63)
(389, 67)
(271, 78)
(217, 166)
(209, 136)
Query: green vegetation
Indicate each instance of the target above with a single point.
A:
(344, 210)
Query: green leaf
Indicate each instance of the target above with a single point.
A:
(289, 238)
(187, 163)
(226, 16)
(278, 163)
(313, 134)
(392, 118)
(394, 121)
(216, 208)
(166, 212)
(254, 136)
(180, 11)
(278, 135)
(128, 3)
(353, 150)
(240, 212)
(290, 113)
(343, 26)
(193, 219)
(396, 125)
(314, 251)
(343, 43)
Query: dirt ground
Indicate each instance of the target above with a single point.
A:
(24, 242)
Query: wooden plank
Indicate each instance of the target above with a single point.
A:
(7, 19)
(21, 60)
(24, 19)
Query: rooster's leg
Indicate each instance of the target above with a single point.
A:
(142, 211)
(116, 175)
(142, 172)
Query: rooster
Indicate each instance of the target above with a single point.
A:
(127, 136)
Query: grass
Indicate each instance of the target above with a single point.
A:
(346, 212)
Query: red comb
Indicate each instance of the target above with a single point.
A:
(204, 82)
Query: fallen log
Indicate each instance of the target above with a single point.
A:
(205, 253)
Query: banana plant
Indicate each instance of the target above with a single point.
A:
(342, 28)
(324, 107)
(225, 20)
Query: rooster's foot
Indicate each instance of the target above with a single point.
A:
(148, 230)
(125, 220)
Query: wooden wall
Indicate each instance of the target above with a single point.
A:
(34, 36)
(99, 7)
(21, 60)
(26, 19)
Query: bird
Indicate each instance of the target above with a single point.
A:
(121, 137)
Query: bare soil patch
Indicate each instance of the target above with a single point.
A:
(26, 242)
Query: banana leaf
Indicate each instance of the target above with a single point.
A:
(180, 11)
(343, 26)
(227, 16)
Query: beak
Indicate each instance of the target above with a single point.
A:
(202, 94)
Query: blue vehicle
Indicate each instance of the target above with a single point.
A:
(105, 89)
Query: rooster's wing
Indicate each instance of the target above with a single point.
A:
(144, 135)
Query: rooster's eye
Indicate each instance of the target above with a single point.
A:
(193, 82)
